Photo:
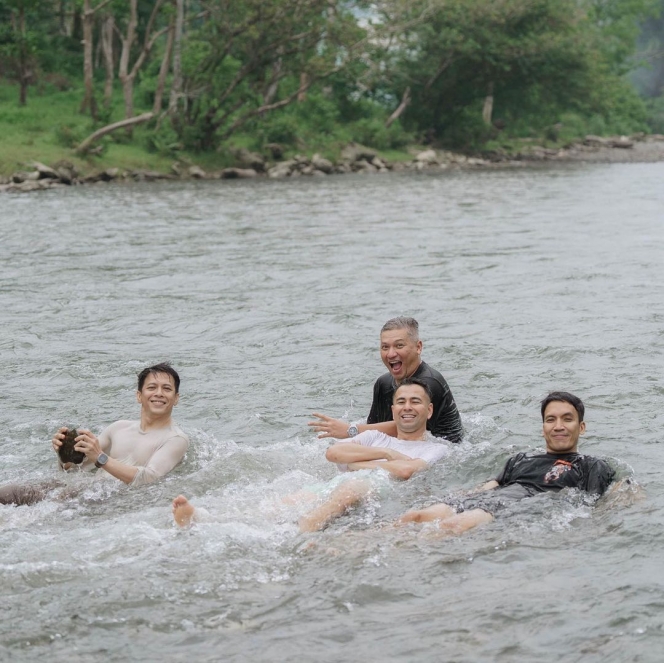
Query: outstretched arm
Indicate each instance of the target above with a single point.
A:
(338, 428)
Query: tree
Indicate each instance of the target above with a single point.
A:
(21, 40)
(245, 50)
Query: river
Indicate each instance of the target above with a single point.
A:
(268, 298)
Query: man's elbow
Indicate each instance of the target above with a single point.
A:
(334, 456)
(404, 472)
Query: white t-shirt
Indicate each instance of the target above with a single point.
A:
(429, 452)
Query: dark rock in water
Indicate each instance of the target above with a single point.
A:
(67, 452)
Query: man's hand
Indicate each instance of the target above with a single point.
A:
(58, 438)
(88, 443)
(328, 427)
(56, 442)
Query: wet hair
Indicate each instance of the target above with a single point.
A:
(565, 397)
(420, 383)
(164, 367)
(410, 324)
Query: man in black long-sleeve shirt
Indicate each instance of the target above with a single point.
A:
(400, 350)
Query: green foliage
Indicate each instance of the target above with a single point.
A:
(68, 135)
(655, 119)
(373, 133)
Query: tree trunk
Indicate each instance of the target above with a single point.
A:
(304, 84)
(487, 111)
(176, 87)
(405, 100)
(163, 70)
(110, 128)
(88, 103)
(107, 46)
(23, 59)
(123, 74)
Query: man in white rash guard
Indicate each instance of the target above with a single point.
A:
(135, 452)
(413, 450)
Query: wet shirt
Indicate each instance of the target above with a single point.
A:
(429, 452)
(537, 473)
(155, 452)
(445, 421)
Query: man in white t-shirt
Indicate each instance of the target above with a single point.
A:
(135, 452)
(412, 451)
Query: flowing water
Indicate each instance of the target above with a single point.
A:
(268, 298)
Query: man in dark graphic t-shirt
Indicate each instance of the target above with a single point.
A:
(400, 350)
(525, 475)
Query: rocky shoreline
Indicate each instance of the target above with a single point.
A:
(354, 158)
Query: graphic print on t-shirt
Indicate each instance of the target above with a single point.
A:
(559, 468)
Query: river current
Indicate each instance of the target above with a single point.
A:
(268, 298)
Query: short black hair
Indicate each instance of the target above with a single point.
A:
(420, 383)
(164, 367)
(565, 397)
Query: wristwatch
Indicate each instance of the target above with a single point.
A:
(102, 459)
(352, 431)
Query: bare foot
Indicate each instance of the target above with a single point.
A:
(183, 511)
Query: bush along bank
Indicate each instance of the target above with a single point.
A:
(354, 158)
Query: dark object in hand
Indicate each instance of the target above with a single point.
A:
(67, 452)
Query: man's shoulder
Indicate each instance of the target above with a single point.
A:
(426, 372)
(122, 425)
(374, 438)
(384, 382)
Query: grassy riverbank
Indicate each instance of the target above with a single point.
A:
(50, 126)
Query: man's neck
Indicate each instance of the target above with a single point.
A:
(416, 436)
(150, 423)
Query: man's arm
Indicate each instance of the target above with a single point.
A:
(162, 461)
(351, 452)
(338, 428)
(400, 469)
(91, 446)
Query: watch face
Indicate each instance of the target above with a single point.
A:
(352, 431)
(101, 459)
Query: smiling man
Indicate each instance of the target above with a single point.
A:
(411, 451)
(527, 474)
(135, 452)
(138, 452)
(400, 350)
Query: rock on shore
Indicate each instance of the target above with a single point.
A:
(354, 158)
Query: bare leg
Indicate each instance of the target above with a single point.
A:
(300, 497)
(26, 494)
(183, 511)
(342, 498)
(462, 522)
(435, 512)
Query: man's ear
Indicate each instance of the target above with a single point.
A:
(430, 411)
(582, 428)
(138, 397)
(419, 347)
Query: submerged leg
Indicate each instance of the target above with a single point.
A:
(183, 511)
(342, 498)
(462, 522)
(435, 512)
(19, 495)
